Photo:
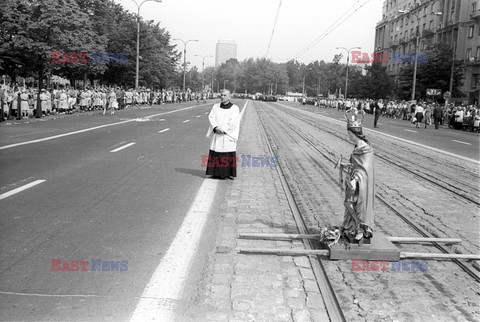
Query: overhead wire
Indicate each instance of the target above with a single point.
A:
(273, 30)
(331, 28)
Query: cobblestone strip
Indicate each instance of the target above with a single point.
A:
(239, 287)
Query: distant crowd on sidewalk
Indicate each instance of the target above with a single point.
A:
(465, 117)
(21, 102)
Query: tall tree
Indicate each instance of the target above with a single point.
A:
(434, 73)
(32, 29)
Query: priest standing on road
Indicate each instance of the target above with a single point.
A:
(223, 132)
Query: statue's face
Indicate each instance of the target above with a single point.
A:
(352, 137)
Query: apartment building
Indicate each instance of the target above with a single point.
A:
(453, 22)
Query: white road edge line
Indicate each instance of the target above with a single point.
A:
(160, 297)
(462, 142)
(164, 130)
(19, 189)
(123, 147)
(186, 121)
(88, 129)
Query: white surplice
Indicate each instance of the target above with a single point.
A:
(228, 120)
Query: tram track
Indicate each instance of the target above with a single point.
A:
(460, 189)
(331, 302)
(330, 156)
(465, 266)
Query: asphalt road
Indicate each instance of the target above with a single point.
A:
(457, 142)
(94, 204)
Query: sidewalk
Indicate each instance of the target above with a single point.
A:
(239, 287)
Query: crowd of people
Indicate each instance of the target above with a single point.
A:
(21, 101)
(421, 114)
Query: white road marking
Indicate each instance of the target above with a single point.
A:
(462, 142)
(206, 112)
(160, 297)
(186, 121)
(110, 147)
(123, 147)
(164, 130)
(198, 115)
(411, 131)
(88, 129)
(19, 189)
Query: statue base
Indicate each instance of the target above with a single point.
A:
(378, 248)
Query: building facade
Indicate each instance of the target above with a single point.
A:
(452, 22)
(225, 50)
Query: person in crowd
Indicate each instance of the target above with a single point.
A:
(427, 113)
(437, 115)
(43, 102)
(112, 101)
(418, 115)
(72, 99)
(24, 103)
(359, 184)
(377, 110)
(223, 132)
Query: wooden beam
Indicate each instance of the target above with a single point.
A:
(278, 236)
(424, 240)
(439, 256)
(284, 252)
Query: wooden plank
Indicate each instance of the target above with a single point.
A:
(278, 236)
(424, 240)
(284, 252)
(439, 256)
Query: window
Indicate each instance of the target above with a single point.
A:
(424, 26)
(469, 53)
(430, 25)
(470, 31)
(477, 55)
(475, 81)
(474, 6)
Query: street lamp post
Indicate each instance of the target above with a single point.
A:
(203, 69)
(348, 60)
(137, 68)
(185, 58)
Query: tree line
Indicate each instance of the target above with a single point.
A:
(31, 30)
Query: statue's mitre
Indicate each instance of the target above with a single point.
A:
(354, 118)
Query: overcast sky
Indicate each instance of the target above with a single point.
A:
(250, 23)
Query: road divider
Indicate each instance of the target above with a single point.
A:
(123, 147)
(466, 143)
(20, 189)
